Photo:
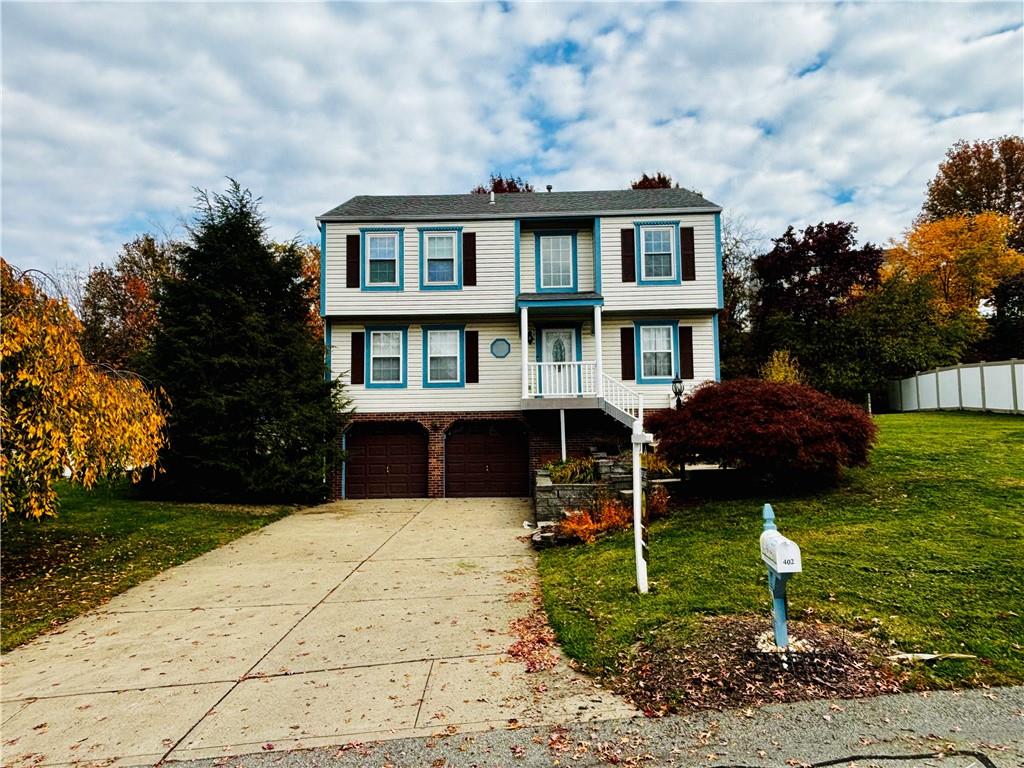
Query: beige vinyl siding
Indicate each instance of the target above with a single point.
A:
(528, 260)
(660, 395)
(499, 388)
(495, 275)
(701, 293)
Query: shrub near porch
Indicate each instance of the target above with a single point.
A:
(921, 549)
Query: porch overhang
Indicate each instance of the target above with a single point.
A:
(559, 300)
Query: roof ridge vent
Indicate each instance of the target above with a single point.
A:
(492, 197)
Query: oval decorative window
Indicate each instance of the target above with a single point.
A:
(500, 348)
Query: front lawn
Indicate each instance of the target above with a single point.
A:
(924, 548)
(103, 542)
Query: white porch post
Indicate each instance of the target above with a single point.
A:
(524, 347)
(561, 422)
(599, 368)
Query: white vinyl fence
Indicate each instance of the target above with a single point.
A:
(968, 387)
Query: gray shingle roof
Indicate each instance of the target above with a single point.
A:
(513, 205)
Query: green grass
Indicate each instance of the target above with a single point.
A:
(924, 548)
(103, 542)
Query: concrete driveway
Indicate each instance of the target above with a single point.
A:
(355, 621)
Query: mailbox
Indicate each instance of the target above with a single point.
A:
(782, 556)
(779, 553)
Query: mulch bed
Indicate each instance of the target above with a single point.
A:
(721, 667)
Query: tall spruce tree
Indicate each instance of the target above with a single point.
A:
(252, 416)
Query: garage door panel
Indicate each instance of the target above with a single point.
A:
(386, 461)
(486, 459)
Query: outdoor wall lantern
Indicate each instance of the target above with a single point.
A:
(677, 391)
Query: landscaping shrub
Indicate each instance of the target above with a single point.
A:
(572, 471)
(657, 502)
(608, 514)
(782, 432)
(655, 464)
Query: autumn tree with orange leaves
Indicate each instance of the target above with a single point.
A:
(119, 302)
(963, 258)
(60, 414)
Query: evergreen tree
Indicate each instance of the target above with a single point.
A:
(252, 416)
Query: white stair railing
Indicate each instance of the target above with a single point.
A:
(625, 399)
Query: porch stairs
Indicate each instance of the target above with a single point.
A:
(621, 403)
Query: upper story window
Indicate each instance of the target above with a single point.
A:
(443, 352)
(382, 259)
(387, 357)
(556, 262)
(657, 253)
(441, 258)
(657, 352)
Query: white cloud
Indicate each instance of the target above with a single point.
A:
(113, 113)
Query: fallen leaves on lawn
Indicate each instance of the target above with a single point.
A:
(720, 667)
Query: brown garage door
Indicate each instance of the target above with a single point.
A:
(486, 459)
(386, 461)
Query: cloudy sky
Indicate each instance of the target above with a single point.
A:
(782, 113)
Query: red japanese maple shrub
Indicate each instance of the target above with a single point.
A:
(782, 432)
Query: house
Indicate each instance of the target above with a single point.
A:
(480, 336)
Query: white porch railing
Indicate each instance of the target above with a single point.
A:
(624, 398)
(571, 379)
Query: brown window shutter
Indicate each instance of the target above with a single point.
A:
(469, 258)
(358, 351)
(352, 261)
(628, 257)
(689, 261)
(685, 352)
(472, 357)
(628, 354)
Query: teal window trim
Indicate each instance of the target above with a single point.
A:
(517, 232)
(364, 270)
(368, 361)
(677, 278)
(427, 384)
(323, 269)
(327, 350)
(597, 254)
(456, 233)
(537, 238)
(503, 344)
(714, 333)
(577, 328)
(638, 350)
(718, 259)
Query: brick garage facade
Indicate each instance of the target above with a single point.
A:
(585, 430)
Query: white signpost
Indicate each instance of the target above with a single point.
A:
(639, 440)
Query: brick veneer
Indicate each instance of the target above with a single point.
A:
(585, 429)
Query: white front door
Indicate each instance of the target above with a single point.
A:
(559, 346)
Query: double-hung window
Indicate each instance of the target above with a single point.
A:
(382, 259)
(387, 352)
(657, 356)
(657, 253)
(440, 262)
(444, 357)
(555, 263)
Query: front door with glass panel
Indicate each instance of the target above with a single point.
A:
(558, 376)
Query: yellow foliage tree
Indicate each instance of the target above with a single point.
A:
(59, 414)
(963, 257)
(782, 367)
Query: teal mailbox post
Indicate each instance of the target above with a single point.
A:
(782, 557)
